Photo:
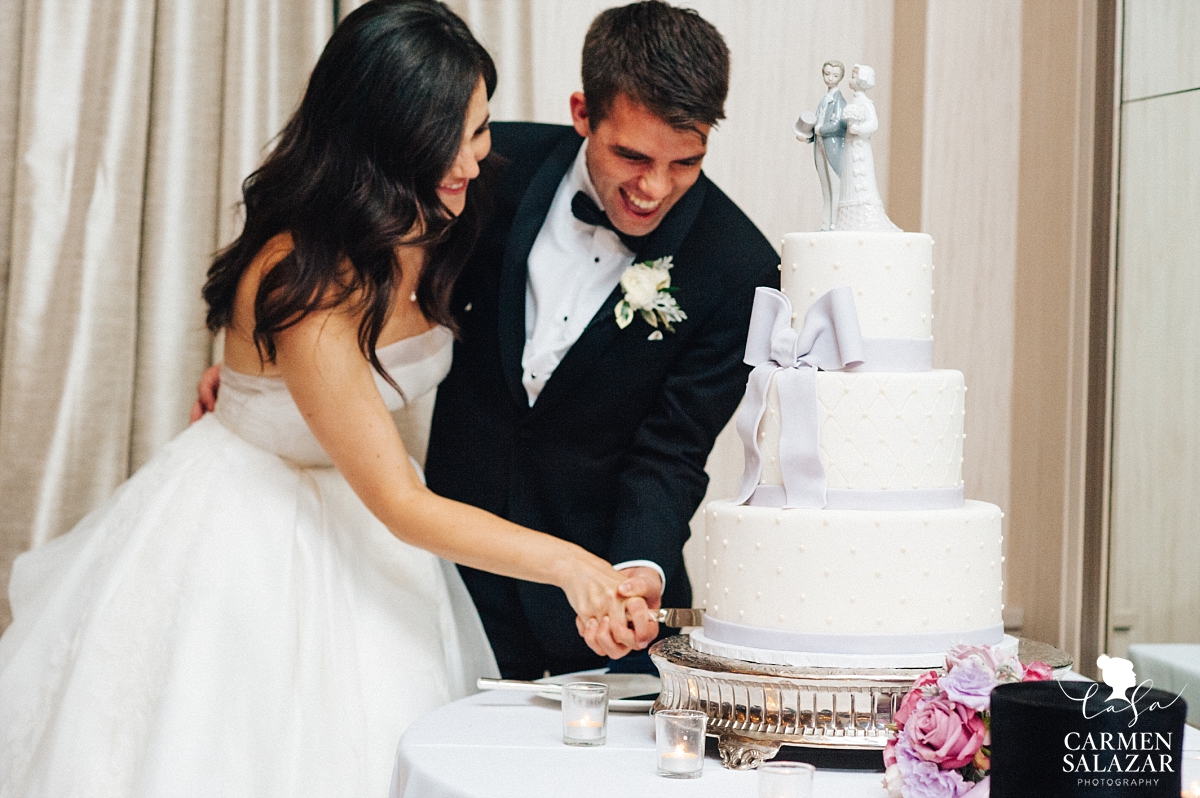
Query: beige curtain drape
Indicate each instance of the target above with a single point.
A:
(126, 127)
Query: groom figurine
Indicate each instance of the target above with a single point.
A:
(828, 137)
(586, 392)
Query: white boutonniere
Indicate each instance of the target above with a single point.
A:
(648, 291)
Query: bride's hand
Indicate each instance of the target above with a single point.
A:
(593, 589)
(621, 621)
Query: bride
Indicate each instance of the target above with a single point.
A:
(261, 609)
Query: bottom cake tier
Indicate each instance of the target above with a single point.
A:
(907, 583)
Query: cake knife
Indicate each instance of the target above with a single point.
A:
(678, 617)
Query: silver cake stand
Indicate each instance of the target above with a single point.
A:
(753, 709)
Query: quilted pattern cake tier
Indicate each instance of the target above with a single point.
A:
(880, 430)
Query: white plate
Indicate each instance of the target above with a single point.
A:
(620, 687)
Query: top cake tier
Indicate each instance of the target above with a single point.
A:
(891, 275)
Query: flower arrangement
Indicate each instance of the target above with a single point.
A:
(648, 290)
(941, 747)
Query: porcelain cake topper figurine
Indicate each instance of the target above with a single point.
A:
(826, 133)
(859, 205)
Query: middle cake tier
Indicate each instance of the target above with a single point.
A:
(879, 430)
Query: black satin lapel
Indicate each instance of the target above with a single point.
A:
(530, 215)
(597, 337)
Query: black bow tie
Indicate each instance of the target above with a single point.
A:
(587, 211)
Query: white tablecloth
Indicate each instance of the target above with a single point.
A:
(1174, 667)
(496, 745)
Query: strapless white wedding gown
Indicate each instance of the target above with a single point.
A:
(233, 621)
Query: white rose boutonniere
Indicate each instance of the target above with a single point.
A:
(648, 291)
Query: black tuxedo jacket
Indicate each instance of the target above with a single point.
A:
(612, 454)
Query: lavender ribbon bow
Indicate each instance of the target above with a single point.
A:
(831, 340)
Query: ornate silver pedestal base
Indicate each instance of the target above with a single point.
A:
(755, 709)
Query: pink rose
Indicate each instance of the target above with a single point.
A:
(1038, 671)
(944, 732)
(889, 753)
(909, 702)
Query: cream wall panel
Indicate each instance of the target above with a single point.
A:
(969, 206)
(1052, 263)
(1156, 428)
(1162, 47)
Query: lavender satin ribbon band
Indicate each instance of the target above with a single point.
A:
(896, 354)
(894, 499)
(917, 643)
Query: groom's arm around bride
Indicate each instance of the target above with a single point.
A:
(561, 412)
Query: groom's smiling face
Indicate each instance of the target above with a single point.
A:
(639, 164)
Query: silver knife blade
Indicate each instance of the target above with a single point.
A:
(677, 617)
(488, 683)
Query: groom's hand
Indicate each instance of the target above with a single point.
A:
(643, 589)
(644, 583)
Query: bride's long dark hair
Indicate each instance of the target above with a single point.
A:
(356, 170)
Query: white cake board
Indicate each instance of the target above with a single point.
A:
(809, 659)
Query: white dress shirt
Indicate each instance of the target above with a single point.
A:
(573, 267)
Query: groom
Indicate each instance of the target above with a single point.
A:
(583, 401)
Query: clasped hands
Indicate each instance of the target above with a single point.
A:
(634, 628)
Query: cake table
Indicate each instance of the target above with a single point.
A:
(496, 745)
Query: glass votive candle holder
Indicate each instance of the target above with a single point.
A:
(584, 713)
(785, 780)
(679, 739)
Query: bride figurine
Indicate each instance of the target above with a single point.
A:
(859, 206)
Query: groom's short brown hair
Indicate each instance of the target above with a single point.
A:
(669, 59)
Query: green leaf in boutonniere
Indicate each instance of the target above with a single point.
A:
(624, 314)
(648, 291)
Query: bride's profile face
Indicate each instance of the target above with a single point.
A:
(476, 143)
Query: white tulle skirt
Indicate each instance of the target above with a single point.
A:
(226, 625)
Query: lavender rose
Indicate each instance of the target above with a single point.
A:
(926, 780)
(970, 683)
(1005, 667)
(899, 750)
(945, 733)
(961, 653)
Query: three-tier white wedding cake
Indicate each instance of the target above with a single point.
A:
(851, 544)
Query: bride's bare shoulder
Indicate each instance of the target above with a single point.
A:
(241, 353)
